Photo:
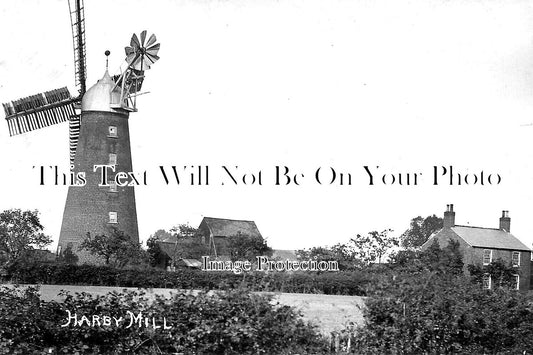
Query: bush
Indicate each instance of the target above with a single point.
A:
(423, 304)
(338, 283)
(233, 322)
(433, 313)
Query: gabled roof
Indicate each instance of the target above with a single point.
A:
(167, 247)
(192, 263)
(489, 238)
(220, 227)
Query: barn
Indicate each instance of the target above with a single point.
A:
(215, 231)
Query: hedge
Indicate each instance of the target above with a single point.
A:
(331, 283)
(232, 322)
(431, 313)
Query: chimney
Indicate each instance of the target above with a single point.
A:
(505, 221)
(449, 217)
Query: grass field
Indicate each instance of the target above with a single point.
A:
(329, 312)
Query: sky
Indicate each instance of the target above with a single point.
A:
(251, 85)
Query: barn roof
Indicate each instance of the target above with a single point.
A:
(220, 227)
(489, 238)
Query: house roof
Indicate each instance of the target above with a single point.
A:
(220, 227)
(167, 247)
(192, 263)
(489, 238)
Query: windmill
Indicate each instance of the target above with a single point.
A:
(98, 135)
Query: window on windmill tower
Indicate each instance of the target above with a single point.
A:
(112, 132)
(515, 258)
(113, 217)
(112, 159)
(112, 186)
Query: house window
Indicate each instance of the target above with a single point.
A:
(487, 280)
(487, 256)
(515, 258)
(113, 218)
(112, 132)
(112, 159)
(515, 282)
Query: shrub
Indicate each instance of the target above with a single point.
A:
(340, 283)
(433, 313)
(502, 274)
(234, 322)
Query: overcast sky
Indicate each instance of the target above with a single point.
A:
(403, 85)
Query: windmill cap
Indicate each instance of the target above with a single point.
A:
(100, 96)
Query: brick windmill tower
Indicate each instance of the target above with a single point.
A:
(99, 135)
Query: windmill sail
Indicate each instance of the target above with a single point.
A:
(39, 111)
(77, 21)
(55, 106)
(73, 135)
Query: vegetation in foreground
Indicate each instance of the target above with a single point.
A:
(424, 304)
(418, 303)
(233, 322)
(430, 313)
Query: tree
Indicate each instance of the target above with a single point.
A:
(184, 230)
(502, 275)
(116, 249)
(318, 253)
(344, 254)
(448, 260)
(162, 234)
(155, 254)
(247, 247)
(187, 245)
(68, 256)
(432, 313)
(426, 305)
(420, 230)
(373, 246)
(20, 231)
(361, 250)
(191, 248)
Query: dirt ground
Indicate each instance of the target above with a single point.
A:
(329, 312)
